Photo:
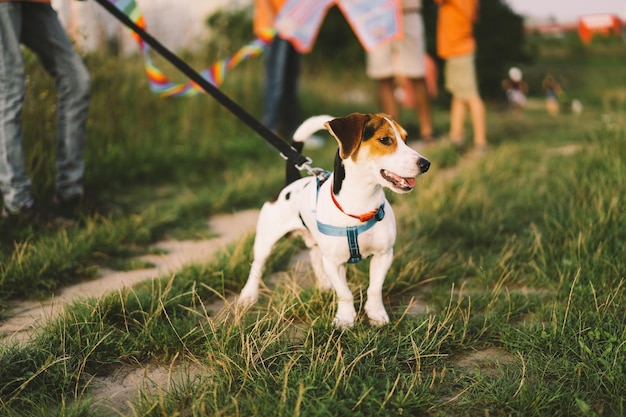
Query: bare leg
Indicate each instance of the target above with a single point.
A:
(457, 119)
(478, 116)
(422, 106)
(387, 98)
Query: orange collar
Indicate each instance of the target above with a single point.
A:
(362, 217)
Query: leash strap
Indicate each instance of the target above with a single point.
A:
(288, 152)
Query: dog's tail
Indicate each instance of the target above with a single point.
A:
(310, 126)
(302, 133)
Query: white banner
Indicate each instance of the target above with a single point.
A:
(373, 21)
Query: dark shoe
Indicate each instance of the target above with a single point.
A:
(291, 172)
(430, 138)
(458, 143)
(481, 149)
(30, 214)
(82, 204)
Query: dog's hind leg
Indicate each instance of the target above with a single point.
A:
(271, 227)
(315, 255)
(250, 292)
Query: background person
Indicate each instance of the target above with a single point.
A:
(36, 25)
(457, 46)
(515, 88)
(403, 58)
(281, 103)
(553, 92)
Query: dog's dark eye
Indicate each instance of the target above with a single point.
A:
(386, 140)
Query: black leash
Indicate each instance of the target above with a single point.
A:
(287, 151)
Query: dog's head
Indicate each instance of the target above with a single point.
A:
(375, 143)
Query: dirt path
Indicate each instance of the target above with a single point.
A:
(26, 315)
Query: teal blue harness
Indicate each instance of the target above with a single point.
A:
(350, 232)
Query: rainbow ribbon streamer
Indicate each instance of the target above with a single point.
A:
(160, 84)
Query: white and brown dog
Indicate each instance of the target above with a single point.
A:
(346, 217)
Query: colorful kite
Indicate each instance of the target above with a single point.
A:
(373, 21)
(160, 84)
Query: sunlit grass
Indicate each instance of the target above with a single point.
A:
(518, 254)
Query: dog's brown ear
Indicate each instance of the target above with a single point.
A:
(348, 131)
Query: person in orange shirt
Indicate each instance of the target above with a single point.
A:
(456, 45)
(35, 24)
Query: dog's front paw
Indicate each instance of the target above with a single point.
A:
(343, 323)
(247, 297)
(345, 317)
(323, 284)
(377, 315)
(246, 301)
(380, 320)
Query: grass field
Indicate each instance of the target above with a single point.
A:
(507, 294)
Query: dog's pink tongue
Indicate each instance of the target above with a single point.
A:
(411, 182)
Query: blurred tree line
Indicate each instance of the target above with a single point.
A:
(499, 34)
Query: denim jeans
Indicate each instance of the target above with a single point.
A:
(37, 26)
(281, 105)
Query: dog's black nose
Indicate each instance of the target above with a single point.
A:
(423, 164)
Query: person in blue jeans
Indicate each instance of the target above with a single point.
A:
(281, 103)
(280, 96)
(35, 25)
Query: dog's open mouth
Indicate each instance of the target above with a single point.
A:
(405, 184)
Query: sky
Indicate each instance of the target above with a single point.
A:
(567, 10)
